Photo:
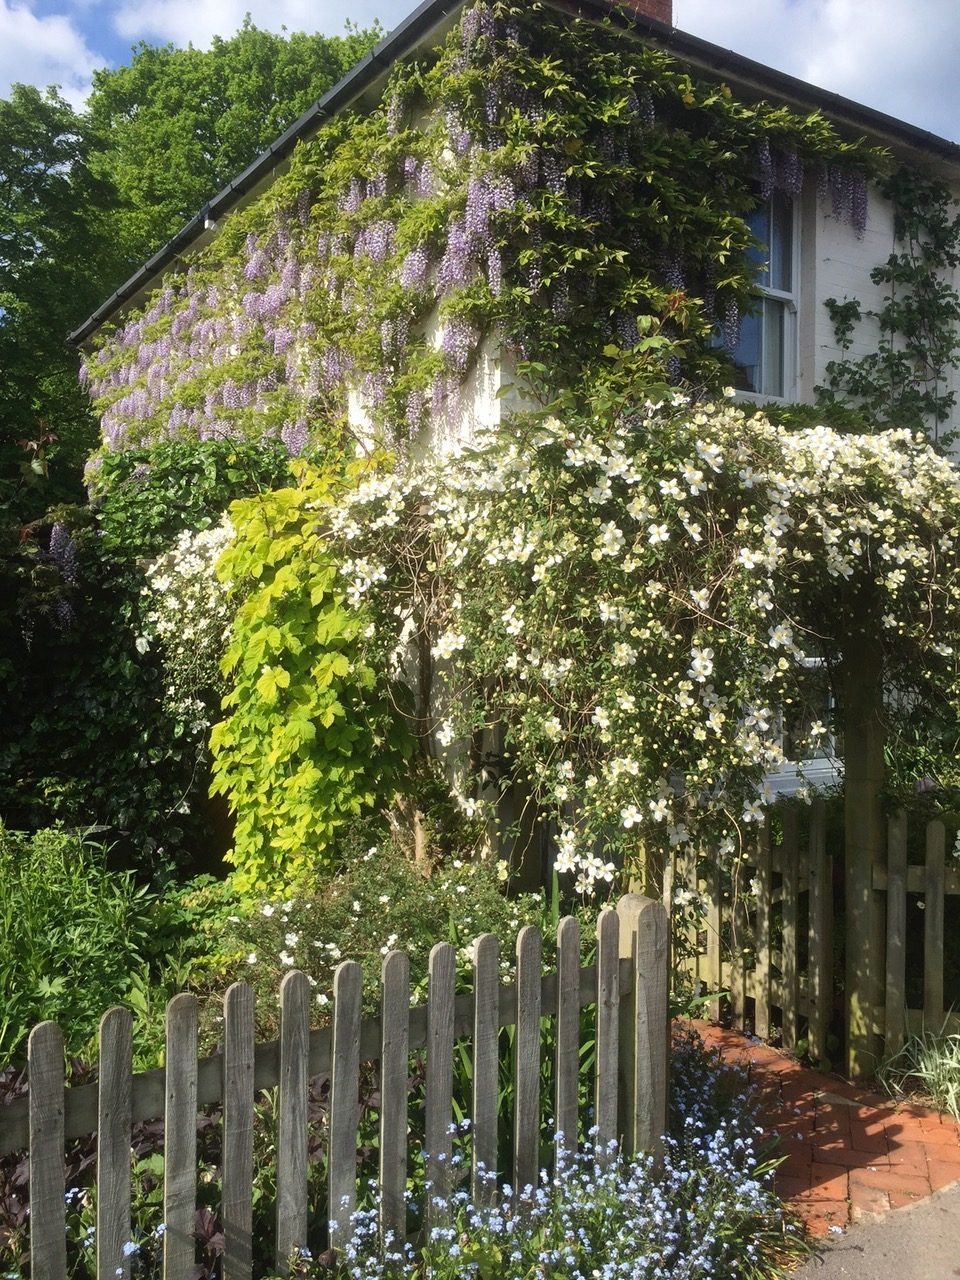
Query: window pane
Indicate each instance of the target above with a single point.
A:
(746, 358)
(774, 315)
(781, 245)
(759, 223)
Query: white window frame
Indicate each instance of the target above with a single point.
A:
(791, 328)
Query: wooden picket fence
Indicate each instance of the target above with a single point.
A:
(627, 986)
(767, 937)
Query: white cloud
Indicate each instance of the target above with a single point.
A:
(198, 21)
(898, 56)
(43, 51)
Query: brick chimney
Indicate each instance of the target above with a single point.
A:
(660, 10)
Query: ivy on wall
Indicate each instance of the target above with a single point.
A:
(548, 180)
(903, 381)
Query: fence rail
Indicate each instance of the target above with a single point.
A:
(627, 986)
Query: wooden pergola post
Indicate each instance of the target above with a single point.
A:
(865, 841)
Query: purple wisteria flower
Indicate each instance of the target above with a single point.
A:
(790, 173)
(257, 263)
(416, 264)
(858, 205)
(768, 176)
(62, 552)
(454, 267)
(476, 216)
(352, 201)
(416, 404)
(459, 135)
(294, 436)
(673, 274)
(495, 272)
(458, 342)
(731, 324)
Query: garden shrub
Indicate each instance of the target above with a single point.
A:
(378, 901)
(73, 934)
(91, 738)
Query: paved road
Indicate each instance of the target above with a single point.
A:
(921, 1242)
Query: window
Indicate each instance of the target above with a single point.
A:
(765, 357)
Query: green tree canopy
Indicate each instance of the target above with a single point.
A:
(176, 125)
(55, 252)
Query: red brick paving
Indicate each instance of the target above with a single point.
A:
(849, 1153)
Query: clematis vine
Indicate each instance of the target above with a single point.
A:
(643, 684)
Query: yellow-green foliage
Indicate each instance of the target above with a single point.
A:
(310, 739)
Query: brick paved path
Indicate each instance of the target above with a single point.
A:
(851, 1154)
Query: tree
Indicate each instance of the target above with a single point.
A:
(55, 251)
(176, 125)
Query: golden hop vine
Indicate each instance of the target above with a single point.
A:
(310, 739)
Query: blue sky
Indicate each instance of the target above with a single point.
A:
(899, 56)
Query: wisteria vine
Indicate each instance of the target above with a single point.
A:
(532, 179)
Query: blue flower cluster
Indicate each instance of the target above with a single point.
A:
(707, 1210)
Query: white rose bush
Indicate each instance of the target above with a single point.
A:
(634, 595)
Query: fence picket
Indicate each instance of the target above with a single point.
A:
(180, 1138)
(738, 965)
(239, 1037)
(485, 1068)
(896, 997)
(764, 881)
(933, 927)
(344, 1093)
(48, 1233)
(686, 879)
(439, 1086)
(607, 1046)
(820, 959)
(714, 959)
(790, 871)
(644, 1038)
(113, 1143)
(567, 1058)
(526, 1078)
(394, 1069)
(292, 1119)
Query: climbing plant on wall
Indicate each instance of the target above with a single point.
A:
(903, 380)
(545, 180)
(540, 187)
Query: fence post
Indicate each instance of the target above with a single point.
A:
(644, 1024)
(865, 832)
(48, 1237)
(113, 1142)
